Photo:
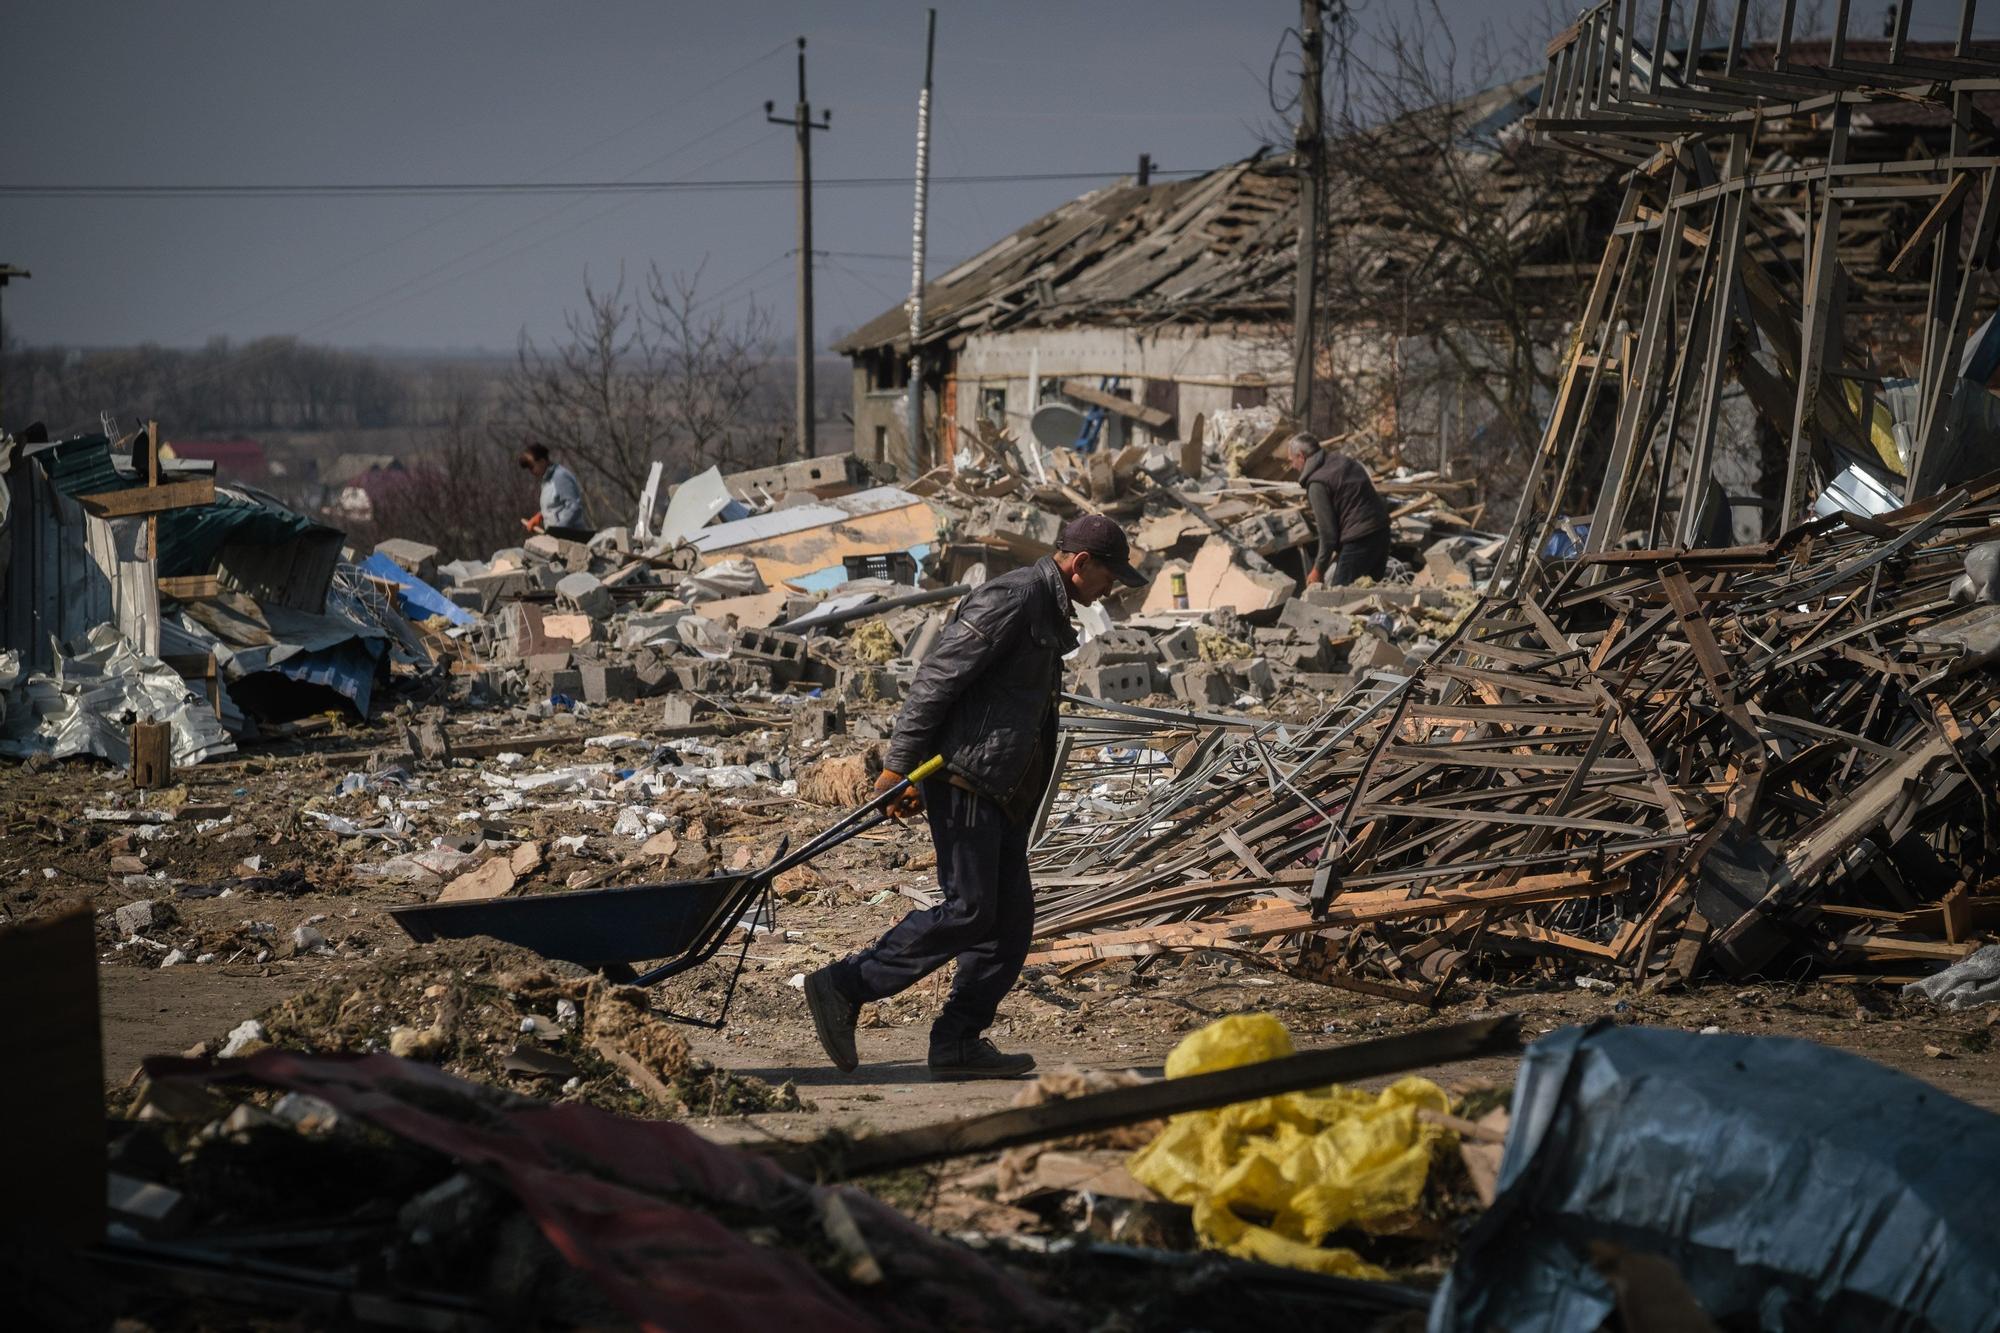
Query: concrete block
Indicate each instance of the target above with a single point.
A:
(411, 557)
(1371, 652)
(1179, 647)
(134, 918)
(1275, 531)
(520, 634)
(568, 683)
(572, 556)
(684, 710)
(1114, 649)
(708, 676)
(654, 673)
(604, 683)
(1324, 682)
(819, 721)
(783, 654)
(496, 588)
(1256, 677)
(1203, 684)
(1123, 682)
(586, 594)
(861, 684)
(547, 664)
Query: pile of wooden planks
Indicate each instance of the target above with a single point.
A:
(1749, 760)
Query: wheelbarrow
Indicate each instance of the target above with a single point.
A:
(607, 930)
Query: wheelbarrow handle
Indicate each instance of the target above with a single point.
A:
(856, 821)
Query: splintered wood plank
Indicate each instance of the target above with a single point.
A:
(150, 499)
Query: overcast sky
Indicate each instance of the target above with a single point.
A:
(501, 90)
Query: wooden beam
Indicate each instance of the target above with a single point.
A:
(150, 499)
(1948, 203)
(1151, 417)
(839, 1157)
(190, 587)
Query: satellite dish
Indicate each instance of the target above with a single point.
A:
(1056, 425)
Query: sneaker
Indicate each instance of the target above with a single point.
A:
(833, 1017)
(978, 1058)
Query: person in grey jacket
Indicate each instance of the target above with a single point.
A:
(561, 513)
(985, 699)
(1348, 514)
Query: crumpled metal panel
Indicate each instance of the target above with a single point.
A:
(1794, 1187)
(86, 704)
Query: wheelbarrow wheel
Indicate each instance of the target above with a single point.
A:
(618, 974)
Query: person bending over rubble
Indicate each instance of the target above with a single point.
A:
(1348, 514)
(562, 498)
(985, 698)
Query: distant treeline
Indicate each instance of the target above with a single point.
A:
(271, 384)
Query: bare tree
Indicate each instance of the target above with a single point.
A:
(1455, 250)
(463, 494)
(657, 374)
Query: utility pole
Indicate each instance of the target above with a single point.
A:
(7, 272)
(1145, 170)
(802, 123)
(914, 427)
(1312, 187)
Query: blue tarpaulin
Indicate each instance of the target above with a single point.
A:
(348, 669)
(419, 599)
(1793, 1186)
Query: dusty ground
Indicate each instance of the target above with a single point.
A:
(53, 857)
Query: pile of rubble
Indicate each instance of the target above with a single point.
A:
(1723, 761)
(502, 1016)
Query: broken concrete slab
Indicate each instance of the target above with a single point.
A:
(1217, 578)
(493, 879)
(572, 629)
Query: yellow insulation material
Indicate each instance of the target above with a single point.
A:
(1270, 1179)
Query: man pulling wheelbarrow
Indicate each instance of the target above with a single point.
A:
(985, 699)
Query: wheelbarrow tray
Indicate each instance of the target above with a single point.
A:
(595, 926)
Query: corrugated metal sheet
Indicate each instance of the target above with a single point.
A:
(193, 540)
(54, 591)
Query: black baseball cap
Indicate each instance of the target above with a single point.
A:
(1102, 540)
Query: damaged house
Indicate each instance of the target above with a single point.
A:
(1455, 251)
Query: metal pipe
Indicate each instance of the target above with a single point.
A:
(833, 618)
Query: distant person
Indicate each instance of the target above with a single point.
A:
(1348, 514)
(562, 498)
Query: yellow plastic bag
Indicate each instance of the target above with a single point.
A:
(1312, 1163)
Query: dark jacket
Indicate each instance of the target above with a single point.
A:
(1345, 504)
(985, 698)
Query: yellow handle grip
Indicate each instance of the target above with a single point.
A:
(926, 769)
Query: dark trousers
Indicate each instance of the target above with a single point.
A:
(985, 921)
(1363, 558)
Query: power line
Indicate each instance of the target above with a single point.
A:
(444, 188)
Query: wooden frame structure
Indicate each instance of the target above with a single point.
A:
(1735, 259)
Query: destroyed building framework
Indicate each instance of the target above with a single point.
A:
(1667, 755)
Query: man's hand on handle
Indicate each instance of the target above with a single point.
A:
(532, 524)
(1314, 579)
(911, 802)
